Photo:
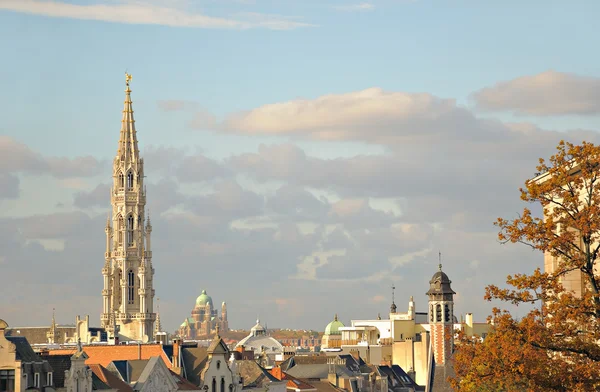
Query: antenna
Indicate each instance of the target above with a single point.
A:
(393, 288)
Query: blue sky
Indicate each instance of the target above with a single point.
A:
(220, 62)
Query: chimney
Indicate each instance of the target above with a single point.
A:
(176, 353)
(469, 320)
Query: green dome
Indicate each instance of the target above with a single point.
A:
(203, 299)
(333, 328)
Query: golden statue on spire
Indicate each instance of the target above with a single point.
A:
(127, 78)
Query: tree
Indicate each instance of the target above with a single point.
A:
(555, 347)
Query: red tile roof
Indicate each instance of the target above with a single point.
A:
(103, 355)
(110, 379)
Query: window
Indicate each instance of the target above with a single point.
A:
(438, 313)
(446, 313)
(121, 180)
(222, 384)
(431, 313)
(218, 364)
(214, 385)
(49, 379)
(130, 287)
(130, 230)
(129, 180)
(7, 380)
(36, 380)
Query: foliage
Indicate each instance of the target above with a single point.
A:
(555, 346)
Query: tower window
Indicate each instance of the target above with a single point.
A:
(438, 312)
(446, 313)
(214, 385)
(121, 180)
(129, 180)
(130, 287)
(222, 384)
(130, 230)
(431, 314)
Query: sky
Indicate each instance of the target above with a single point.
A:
(302, 156)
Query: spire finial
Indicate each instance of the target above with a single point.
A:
(217, 331)
(393, 293)
(440, 258)
(335, 318)
(79, 348)
(127, 78)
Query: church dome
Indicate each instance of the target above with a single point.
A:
(204, 299)
(333, 328)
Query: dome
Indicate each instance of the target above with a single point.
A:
(440, 283)
(204, 299)
(258, 329)
(333, 328)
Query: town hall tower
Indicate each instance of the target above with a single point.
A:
(128, 293)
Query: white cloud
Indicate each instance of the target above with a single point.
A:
(545, 94)
(355, 7)
(145, 12)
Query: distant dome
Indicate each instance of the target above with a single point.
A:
(333, 328)
(203, 299)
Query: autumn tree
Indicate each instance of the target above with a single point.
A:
(555, 347)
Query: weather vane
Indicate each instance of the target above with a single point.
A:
(127, 78)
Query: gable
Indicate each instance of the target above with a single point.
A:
(156, 377)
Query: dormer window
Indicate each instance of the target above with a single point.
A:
(36, 380)
(49, 379)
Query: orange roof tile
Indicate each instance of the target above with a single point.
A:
(103, 355)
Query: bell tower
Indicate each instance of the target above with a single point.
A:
(441, 316)
(128, 292)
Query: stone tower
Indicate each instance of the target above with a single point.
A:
(128, 291)
(441, 316)
(224, 322)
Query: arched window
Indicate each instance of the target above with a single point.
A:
(218, 364)
(121, 180)
(222, 384)
(130, 230)
(446, 313)
(438, 313)
(129, 180)
(130, 287)
(214, 385)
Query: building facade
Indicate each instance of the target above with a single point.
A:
(128, 293)
(205, 319)
(20, 367)
(409, 339)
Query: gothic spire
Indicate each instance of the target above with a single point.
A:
(128, 145)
